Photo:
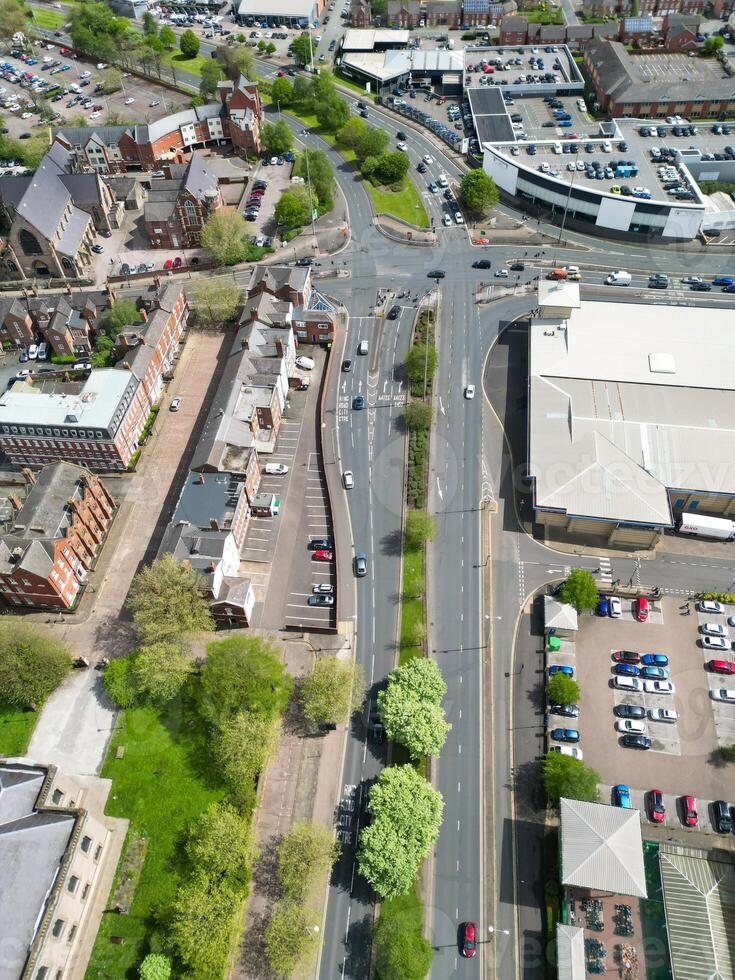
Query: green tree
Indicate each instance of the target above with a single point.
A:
(120, 683)
(305, 854)
(189, 44)
(727, 753)
(155, 966)
(204, 925)
(332, 114)
(241, 747)
(369, 167)
(290, 937)
(420, 363)
(372, 142)
(392, 167)
(110, 80)
(243, 673)
(303, 94)
(301, 48)
(276, 138)
(32, 664)
(96, 31)
(166, 602)
(712, 45)
(281, 91)
(319, 171)
(477, 191)
(261, 46)
(154, 43)
(579, 590)
(149, 23)
(215, 302)
(399, 947)
(34, 150)
(221, 845)
(121, 314)
(419, 529)
(224, 235)
(410, 708)
(331, 691)
(567, 777)
(270, 49)
(418, 417)
(168, 38)
(406, 815)
(292, 210)
(12, 18)
(562, 689)
(349, 135)
(237, 61)
(159, 671)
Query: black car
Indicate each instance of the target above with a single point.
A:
(305, 261)
(701, 287)
(422, 168)
(482, 264)
(517, 266)
(320, 544)
(395, 312)
(722, 820)
(401, 135)
(636, 711)
(347, 365)
(565, 710)
(655, 283)
(436, 274)
(629, 741)
(448, 194)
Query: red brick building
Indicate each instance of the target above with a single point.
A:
(54, 538)
(177, 208)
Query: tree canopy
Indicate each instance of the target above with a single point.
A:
(399, 947)
(237, 60)
(243, 673)
(211, 74)
(12, 18)
(319, 171)
(331, 691)
(562, 689)
(241, 747)
(155, 966)
(419, 529)
(410, 707)
(418, 416)
(32, 664)
(166, 601)
(276, 138)
(477, 191)
(569, 777)
(224, 235)
(189, 44)
(281, 91)
(221, 845)
(302, 48)
(332, 114)
(215, 302)
(307, 852)
(159, 671)
(292, 210)
(579, 590)
(290, 936)
(204, 925)
(121, 314)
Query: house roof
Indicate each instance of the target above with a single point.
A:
(570, 960)
(559, 615)
(601, 848)
(73, 234)
(207, 498)
(45, 200)
(199, 181)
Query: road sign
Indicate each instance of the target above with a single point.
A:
(314, 214)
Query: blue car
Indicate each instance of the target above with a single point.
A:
(565, 735)
(627, 670)
(358, 403)
(655, 660)
(561, 669)
(621, 796)
(723, 280)
(602, 606)
(654, 674)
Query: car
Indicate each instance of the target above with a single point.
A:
(32, 352)
(358, 403)
(422, 168)
(97, 249)
(561, 669)
(630, 725)
(626, 670)
(654, 673)
(710, 606)
(85, 365)
(701, 287)
(348, 480)
(347, 365)
(428, 159)
(129, 100)
(305, 363)
(517, 266)
(446, 220)
(565, 710)
(469, 392)
(691, 280)
(723, 281)
(175, 405)
(482, 264)
(655, 660)
(621, 796)
(616, 607)
(655, 806)
(572, 750)
(721, 666)
(275, 469)
(322, 555)
(322, 588)
(658, 687)
(722, 821)
(468, 939)
(320, 600)
(153, 104)
(727, 695)
(360, 564)
(715, 643)
(640, 609)
(603, 606)
(689, 815)
(714, 629)
(401, 146)
(630, 741)
(636, 711)
(317, 544)
(395, 312)
(667, 715)
(501, 273)
(168, 264)
(628, 683)
(436, 274)
(565, 734)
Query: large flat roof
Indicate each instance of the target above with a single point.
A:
(628, 402)
(276, 8)
(365, 40)
(91, 403)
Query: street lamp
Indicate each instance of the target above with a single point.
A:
(498, 932)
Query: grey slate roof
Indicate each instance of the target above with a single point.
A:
(209, 497)
(12, 190)
(45, 199)
(81, 135)
(73, 233)
(198, 180)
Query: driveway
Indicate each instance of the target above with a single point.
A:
(76, 722)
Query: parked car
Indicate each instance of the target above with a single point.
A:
(721, 666)
(714, 629)
(635, 711)
(723, 694)
(658, 687)
(275, 469)
(323, 555)
(320, 600)
(629, 683)
(572, 750)
(630, 741)
(655, 806)
(621, 796)
(627, 670)
(722, 821)
(603, 606)
(630, 725)
(640, 609)
(360, 564)
(615, 607)
(564, 710)
(323, 588)
(561, 669)
(654, 673)
(305, 363)
(175, 405)
(689, 815)
(626, 657)
(710, 606)
(565, 734)
(655, 660)
(715, 643)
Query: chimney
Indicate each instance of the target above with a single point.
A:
(29, 475)
(143, 314)
(126, 366)
(279, 346)
(214, 523)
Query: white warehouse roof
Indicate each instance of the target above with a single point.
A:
(602, 848)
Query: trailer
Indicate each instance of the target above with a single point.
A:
(703, 526)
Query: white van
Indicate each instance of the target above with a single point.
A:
(43, 351)
(305, 363)
(362, 347)
(442, 180)
(557, 147)
(620, 278)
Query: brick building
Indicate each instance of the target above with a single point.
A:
(680, 32)
(177, 208)
(513, 30)
(314, 317)
(68, 330)
(54, 538)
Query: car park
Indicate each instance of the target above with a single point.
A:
(571, 750)
(666, 715)
(631, 725)
(564, 710)
(655, 806)
(654, 673)
(689, 815)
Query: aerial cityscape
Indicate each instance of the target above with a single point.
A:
(367, 489)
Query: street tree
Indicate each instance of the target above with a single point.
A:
(150, 26)
(211, 74)
(276, 138)
(222, 846)
(168, 38)
(189, 44)
(282, 91)
(155, 966)
(290, 937)
(302, 49)
(32, 664)
(270, 49)
(579, 590)
(314, 165)
(410, 707)
(215, 302)
(712, 45)
(241, 747)
(119, 681)
(332, 114)
(372, 142)
(155, 44)
(406, 814)
(224, 236)
(349, 134)
(303, 93)
(32, 151)
(237, 60)
(562, 689)
(305, 855)
(567, 777)
(204, 922)
(292, 210)
(166, 601)
(392, 167)
(110, 80)
(477, 191)
(418, 417)
(12, 18)
(420, 363)
(332, 690)
(159, 671)
(243, 673)
(399, 948)
(419, 529)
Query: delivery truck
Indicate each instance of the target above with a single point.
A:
(703, 526)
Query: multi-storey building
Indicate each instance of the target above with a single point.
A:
(178, 207)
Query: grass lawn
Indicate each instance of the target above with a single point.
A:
(16, 727)
(50, 20)
(412, 609)
(405, 204)
(161, 785)
(407, 915)
(193, 66)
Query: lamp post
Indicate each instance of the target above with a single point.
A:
(566, 207)
(498, 932)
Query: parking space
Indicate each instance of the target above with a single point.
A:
(673, 817)
(664, 67)
(278, 177)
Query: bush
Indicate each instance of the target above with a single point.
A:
(32, 665)
(418, 417)
(119, 681)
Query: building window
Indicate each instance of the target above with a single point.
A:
(41, 973)
(57, 797)
(85, 892)
(73, 884)
(191, 214)
(86, 844)
(58, 928)
(98, 852)
(72, 934)
(29, 243)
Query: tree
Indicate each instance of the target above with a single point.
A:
(215, 302)
(204, 926)
(210, 76)
(120, 682)
(149, 23)
(221, 845)
(567, 777)
(420, 363)
(305, 854)
(159, 671)
(562, 689)
(189, 44)
(243, 674)
(241, 748)
(166, 601)
(292, 210)
(281, 91)
(237, 61)
(155, 967)
(34, 150)
(168, 38)
(712, 45)
(32, 664)
(302, 49)
(349, 135)
(410, 707)
(12, 18)
(110, 80)
(303, 94)
(96, 31)
(399, 948)
(406, 815)
(392, 167)
(224, 235)
(332, 114)
(289, 937)
(121, 314)
(418, 417)
(270, 49)
(276, 138)
(579, 590)
(319, 171)
(154, 43)
(419, 529)
(331, 691)
(372, 142)
(369, 166)
(727, 753)
(477, 191)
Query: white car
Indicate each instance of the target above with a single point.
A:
(606, 148)
(442, 180)
(129, 100)
(567, 750)
(629, 683)
(615, 607)
(458, 217)
(82, 74)
(446, 221)
(175, 405)
(628, 725)
(706, 605)
(469, 391)
(501, 273)
(658, 687)
(33, 352)
(305, 363)
(715, 643)
(428, 158)
(324, 588)
(663, 714)
(723, 694)
(275, 469)
(348, 480)
(714, 629)
(101, 66)
(402, 147)
(95, 115)
(153, 104)
(693, 281)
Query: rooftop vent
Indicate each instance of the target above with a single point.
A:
(661, 363)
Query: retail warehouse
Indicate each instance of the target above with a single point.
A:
(383, 70)
(290, 13)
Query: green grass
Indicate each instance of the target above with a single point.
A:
(161, 785)
(543, 16)
(405, 204)
(175, 59)
(16, 728)
(412, 607)
(407, 913)
(49, 20)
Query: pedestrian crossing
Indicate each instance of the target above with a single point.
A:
(605, 572)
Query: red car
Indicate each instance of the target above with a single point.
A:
(323, 555)
(168, 263)
(721, 666)
(626, 657)
(468, 939)
(656, 807)
(480, 241)
(640, 609)
(177, 262)
(689, 813)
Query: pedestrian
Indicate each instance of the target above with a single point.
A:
(689, 610)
